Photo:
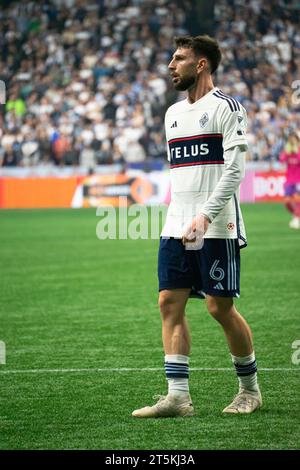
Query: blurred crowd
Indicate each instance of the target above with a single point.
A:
(260, 42)
(88, 82)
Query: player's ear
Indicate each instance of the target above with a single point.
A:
(202, 64)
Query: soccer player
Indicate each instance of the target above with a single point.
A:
(206, 150)
(291, 156)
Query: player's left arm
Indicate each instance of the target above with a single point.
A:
(234, 160)
(233, 126)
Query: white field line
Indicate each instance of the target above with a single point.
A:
(138, 369)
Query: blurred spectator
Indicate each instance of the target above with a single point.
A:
(291, 157)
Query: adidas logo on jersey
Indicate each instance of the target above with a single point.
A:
(219, 286)
(174, 124)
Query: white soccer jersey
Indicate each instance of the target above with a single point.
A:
(206, 150)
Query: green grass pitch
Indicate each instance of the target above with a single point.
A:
(71, 304)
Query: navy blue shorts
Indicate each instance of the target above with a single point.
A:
(213, 270)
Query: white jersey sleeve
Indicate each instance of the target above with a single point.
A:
(229, 182)
(233, 125)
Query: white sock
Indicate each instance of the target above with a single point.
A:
(246, 370)
(177, 373)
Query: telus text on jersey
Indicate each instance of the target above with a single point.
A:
(189, 151)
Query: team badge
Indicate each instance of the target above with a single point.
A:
(204, 120)
(230, 226)
(240, 118)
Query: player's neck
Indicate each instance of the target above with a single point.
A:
(202, 87)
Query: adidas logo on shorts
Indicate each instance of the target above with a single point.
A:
(219, 286)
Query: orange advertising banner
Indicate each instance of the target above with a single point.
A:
(25, 193)
(74, 191)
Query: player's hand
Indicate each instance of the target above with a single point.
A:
(194, 232)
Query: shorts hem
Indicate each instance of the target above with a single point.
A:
(172, 286)
(217, 293)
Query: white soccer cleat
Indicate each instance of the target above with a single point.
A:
(167, 406)
(295, 223)
(244, 402)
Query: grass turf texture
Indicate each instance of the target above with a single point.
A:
(71, 301)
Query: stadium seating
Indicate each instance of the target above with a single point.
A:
(87, 82)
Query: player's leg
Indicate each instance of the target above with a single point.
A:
(174, 285)
(176, 339)
(239, 338)
(220, 261)
(236, 329)
(175, 330)
(177, 343)
(289, 204)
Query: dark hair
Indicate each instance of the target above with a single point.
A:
(202, 45)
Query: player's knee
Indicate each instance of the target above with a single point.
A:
(219, 309)
(166, 304)
(214, 311)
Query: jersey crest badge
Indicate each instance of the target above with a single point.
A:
(204, 120)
